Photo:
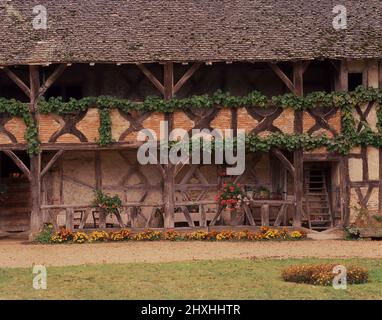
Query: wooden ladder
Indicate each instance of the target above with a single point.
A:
(317, 200)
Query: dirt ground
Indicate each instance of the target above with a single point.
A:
(19, 254)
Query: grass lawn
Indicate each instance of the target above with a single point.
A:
(227, 279)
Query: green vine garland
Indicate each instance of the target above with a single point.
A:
(342, 143)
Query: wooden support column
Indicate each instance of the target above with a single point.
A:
(298, 71)
(265, 215)
(169, 178)
(374, 80)
(343, 81)
(35, 170)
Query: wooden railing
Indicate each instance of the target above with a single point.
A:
(203, 216)
(87, 211)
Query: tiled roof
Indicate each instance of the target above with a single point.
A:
(187, 30)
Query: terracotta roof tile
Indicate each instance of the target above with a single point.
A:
(187, 30)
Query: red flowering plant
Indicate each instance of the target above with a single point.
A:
(232, 196)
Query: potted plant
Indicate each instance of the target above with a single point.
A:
(263, 193)
(109, 205)
(231, 198)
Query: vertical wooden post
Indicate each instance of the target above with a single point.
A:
(343, 77)
(98, 185)
(169, 180)
(265, 215)
(298, 82)
(35, 161)
(375, 81)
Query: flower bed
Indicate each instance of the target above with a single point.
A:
(66, 236)
(322, 275)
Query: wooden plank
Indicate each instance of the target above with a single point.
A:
(134, 217)
(343, 76)
(188, 216)
(265, 215)
(168, 81)
(18, 81)
(85, 217)
(70, 219)
(19, 163)
(283, 77)
(35, 161)
(88, 146)
(102, 219)
(365, 164)
(218, 213)
(151, 77)
(169, 179)
(34, 80)
(298, 156)
(281, 215)
(298, 82)
(189, 73)
(203, 216)
(151, 216)
(51, 162)
(248, 213)
(84, 206)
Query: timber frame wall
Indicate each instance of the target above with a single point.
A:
(363, 188)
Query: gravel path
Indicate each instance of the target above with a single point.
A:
(18, 254)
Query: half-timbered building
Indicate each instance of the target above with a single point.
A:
(55, 152)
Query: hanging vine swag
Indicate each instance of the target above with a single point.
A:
(342, 143)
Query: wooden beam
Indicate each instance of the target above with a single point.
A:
(151, 77)
(51, 79)
(186, 77)
(35, 185)
(51, 162)
(283, 77)
(298, 156)
(19, 163)
(343, 77)
(169, 180)
(287, 164)
(298, 81)
(17, 81)
(264, 215)
(168, 81)
(34, 80)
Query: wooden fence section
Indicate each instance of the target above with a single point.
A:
(88, 216)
